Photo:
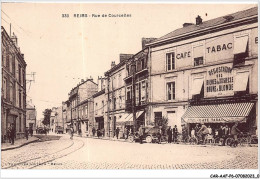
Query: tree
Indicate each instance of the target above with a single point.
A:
(47, 116)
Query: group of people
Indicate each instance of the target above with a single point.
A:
(28, 131)
(172, 134)
(100, 132)
(222, 132)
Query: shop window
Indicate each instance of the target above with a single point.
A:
(240, 50)
(170, 91)
(170, 61)
(198, 55)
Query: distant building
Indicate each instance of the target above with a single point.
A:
(13, 98)
(30, 115)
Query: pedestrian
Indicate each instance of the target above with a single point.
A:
(26, 133)
(221, 135)
(98, 133)
(210, 130)
(192, 132)
(93, 131)
(12, 134)
(175, 133)
(126, 132)
(196, 129)
(141, 133)
(71, 132)
(184, 133)
(203, 131)
(80, 132)
(234, 132)
(31, 131)
(159, 135)
(169, 133)
(9, 133)
(117, 132)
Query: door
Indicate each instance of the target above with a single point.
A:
(172, 119)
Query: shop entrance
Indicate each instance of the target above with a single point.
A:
(100, 122)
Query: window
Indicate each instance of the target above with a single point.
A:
(103, 106)
(19, 73)
(7, 62)
(119, 80)
(143, 92)
(4, 87)
(128, 93)
(11, 63)
(171, 91)
(170, 61)
(11, 93)
(143, 65)
(137, 94)
(157, 117)
(198, 54)
(120, 102)
(240, 50)
(20, 99)
(114, 103)
(96, 110)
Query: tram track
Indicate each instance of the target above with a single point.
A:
(34, 162)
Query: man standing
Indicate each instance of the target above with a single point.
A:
(93, 131)
(117, 132)
(203, 131)
(12, 134)
(26, 133)
(175, 133)
(31, 131)
(71, 132)
(169, 133)
(141, 133)
(196, 129)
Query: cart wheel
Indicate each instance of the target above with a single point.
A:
(148, 139)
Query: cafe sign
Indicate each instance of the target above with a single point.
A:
(219, 81)
(215, 120)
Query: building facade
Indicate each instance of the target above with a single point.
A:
(115, 96)
(81, 105)
(13, 108)
(207, 72)
(31, 115)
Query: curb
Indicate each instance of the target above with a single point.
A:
(15, 147)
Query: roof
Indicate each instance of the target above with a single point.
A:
(99, 93)
(210, 23)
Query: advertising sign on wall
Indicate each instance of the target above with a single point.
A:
(219, 81)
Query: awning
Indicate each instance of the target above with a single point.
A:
(240, 44)
(128, 117)
(197, 85)
(222, 113)
(198, 51)
(241, 81)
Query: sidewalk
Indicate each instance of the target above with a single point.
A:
(18, 143)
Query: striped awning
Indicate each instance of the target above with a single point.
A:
(221, 113)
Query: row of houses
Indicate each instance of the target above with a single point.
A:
(202, 72)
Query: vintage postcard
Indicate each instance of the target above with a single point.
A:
(143, 86)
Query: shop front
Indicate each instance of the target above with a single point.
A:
(215, 115)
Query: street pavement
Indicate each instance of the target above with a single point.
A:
(88, 153)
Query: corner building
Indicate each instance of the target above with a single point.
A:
(207, 72)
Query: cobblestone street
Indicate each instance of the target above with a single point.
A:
(88, 153)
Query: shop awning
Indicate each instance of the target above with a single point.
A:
(128, 117)
(241, 80)
(240, 44)
(197, 85)
(222, 113)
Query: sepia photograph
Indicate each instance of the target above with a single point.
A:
(130, 86)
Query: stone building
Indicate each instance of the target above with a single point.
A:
(31, 114)
(207, 72)
(13, 98)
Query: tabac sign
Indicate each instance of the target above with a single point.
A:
(215, 120)
(219, 81)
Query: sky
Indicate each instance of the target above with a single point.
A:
(62, 51)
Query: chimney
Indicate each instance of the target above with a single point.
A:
(14, 39)
(82, 80)
(187, 24)
(124, 57)
(198, 20)
(113, 63)
(147, 41)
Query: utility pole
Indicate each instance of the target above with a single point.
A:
(133, 66)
